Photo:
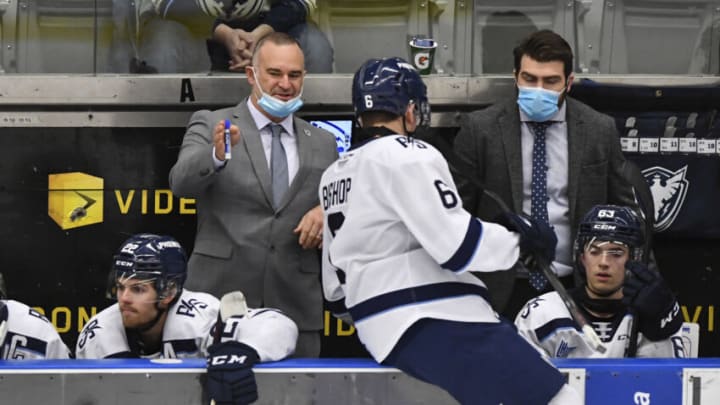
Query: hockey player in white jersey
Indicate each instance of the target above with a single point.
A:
(156, 318)
(398, 248)
(619, 291)
(25, 334)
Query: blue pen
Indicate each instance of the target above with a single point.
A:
(228, 154)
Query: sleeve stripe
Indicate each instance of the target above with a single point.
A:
(467, 248)
(550, 327)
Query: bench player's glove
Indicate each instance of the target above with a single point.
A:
(230, 378)
(648, 295)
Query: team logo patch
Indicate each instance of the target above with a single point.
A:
(564, 349)
(669, 190)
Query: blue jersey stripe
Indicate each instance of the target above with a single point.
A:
(414, 295)
(24, 343)
(550, 327)
(467, 248)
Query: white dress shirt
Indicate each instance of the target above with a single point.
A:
(556, 143)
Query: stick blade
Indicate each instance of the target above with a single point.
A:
(592, 338)
(232, 304)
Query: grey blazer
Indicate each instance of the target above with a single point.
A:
(489, 141)
(242, 242)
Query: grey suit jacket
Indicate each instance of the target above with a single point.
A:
(242, 242)
(489, 141)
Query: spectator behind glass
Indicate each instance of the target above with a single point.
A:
(254, 234)
(170, 36)
(237, 32)
(158, 36)
(25, 334)
(583, 162)
(620, 294)
(503, 28)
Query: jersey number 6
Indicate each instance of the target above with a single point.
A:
(447, 196)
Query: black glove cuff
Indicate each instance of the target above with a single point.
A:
(663, 325)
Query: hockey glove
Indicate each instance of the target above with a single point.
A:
(537, 239)
(654, 304)
(230, 378)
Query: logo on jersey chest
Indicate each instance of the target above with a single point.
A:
(564, 349)
(190, 307)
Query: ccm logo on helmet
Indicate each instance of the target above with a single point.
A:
(604, 227)
(227, 359)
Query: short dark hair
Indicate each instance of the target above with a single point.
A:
(277, 38)
(545, 46)
(372, 118)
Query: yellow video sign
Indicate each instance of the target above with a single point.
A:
(75, 199)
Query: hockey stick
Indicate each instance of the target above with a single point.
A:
(456, 165)
(231, 304)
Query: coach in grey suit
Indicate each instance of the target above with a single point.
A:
(245, 239)
(585, 164)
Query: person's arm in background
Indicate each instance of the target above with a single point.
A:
(196, 167)
(465, 146)
(240, 40)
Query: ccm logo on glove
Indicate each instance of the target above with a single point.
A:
(227, 359)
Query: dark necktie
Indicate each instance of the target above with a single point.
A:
(538, 187)
(278, 165)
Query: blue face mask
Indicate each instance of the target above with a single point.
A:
(275, 107)
(537, 103)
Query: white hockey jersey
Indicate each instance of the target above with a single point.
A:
(27, 334)
(187, 332)
(546, 323)
(397, 242)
